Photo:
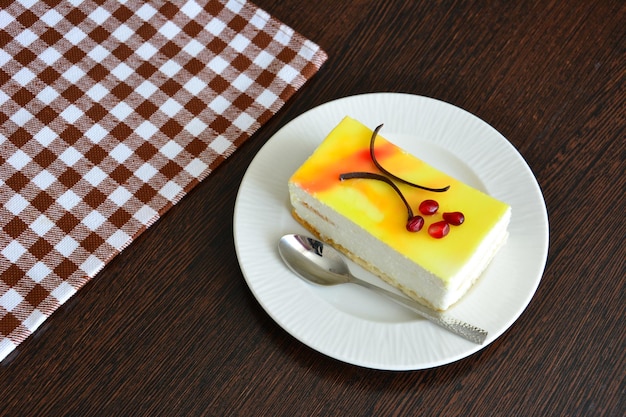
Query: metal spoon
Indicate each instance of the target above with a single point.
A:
(321, 264)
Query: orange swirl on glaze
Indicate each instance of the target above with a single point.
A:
(323, 173)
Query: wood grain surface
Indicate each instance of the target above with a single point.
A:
(170, 328)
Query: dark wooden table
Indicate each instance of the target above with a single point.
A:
(170, 327)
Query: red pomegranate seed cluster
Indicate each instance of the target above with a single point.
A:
(438, 229)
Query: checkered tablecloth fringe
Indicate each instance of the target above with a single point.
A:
(110, 112)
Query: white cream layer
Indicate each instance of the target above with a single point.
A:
(390, 265)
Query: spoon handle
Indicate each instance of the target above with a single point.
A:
(459, 327)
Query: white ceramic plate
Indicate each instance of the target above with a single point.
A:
(348, 322)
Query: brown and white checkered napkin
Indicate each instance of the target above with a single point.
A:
(110, 111)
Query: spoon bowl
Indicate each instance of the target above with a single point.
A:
(314, 261)
(321, 264)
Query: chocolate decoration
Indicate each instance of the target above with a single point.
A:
(378, 177)
(380, 167)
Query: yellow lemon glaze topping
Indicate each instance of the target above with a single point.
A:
(377, 208)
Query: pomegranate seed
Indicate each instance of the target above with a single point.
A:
(439, 229)
(428, 207)
(415, 224)
(456, 218)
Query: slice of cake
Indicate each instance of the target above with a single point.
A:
(417, 228)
